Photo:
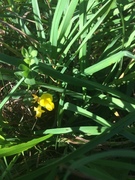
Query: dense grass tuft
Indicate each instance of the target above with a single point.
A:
(76, 58)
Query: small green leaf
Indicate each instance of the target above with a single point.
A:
(30, 81)
(27, 61)
(24, 52)
(33, 53)
(33, 61)
(23, 67)
(26, 73)
(19, 73)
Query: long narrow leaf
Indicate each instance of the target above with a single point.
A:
(22, 147)
(66, 19)
(11, 92)
(83, 83)
(84, 112)
(89, 23)
(90, 130)
(39, 27)
(55, 23)
(107, 62)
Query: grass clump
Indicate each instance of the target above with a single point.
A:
(67, 89)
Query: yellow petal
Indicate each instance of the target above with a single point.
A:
(41, 102)
(35, 97)
(39, 111)
(49, 106)
(46, 101)
(47, 96)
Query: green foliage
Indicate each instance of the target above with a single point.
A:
(21, 147)
(82, 52)
(30, 60)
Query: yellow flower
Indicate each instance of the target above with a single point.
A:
(46, 101)
(35, 97)
(39, 111)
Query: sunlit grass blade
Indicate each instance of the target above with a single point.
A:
(11, 92)
(89, 130)
(37, 17)
(55, 23)
(66, 19)
(113, 102)
(107, 62)
(130, 39)
(83, 83)
(91, 4)
(8, 151)
(84, 112)
(88, 25)
(105, 10)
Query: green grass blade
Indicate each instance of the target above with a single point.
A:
(105, 10)
(9, 167)
(22, 147)
(90, 130)
(90, 4)
(125, 79)
(130, 39)
(66, 19)
(88, 24)
(11, 92)
(84, 112)
(55, 23)
(112, 153)
(113, 102)
(107, 62)
(37, 17)
(115, 164)
(83, 83)
(82, 21)
(129, 135)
